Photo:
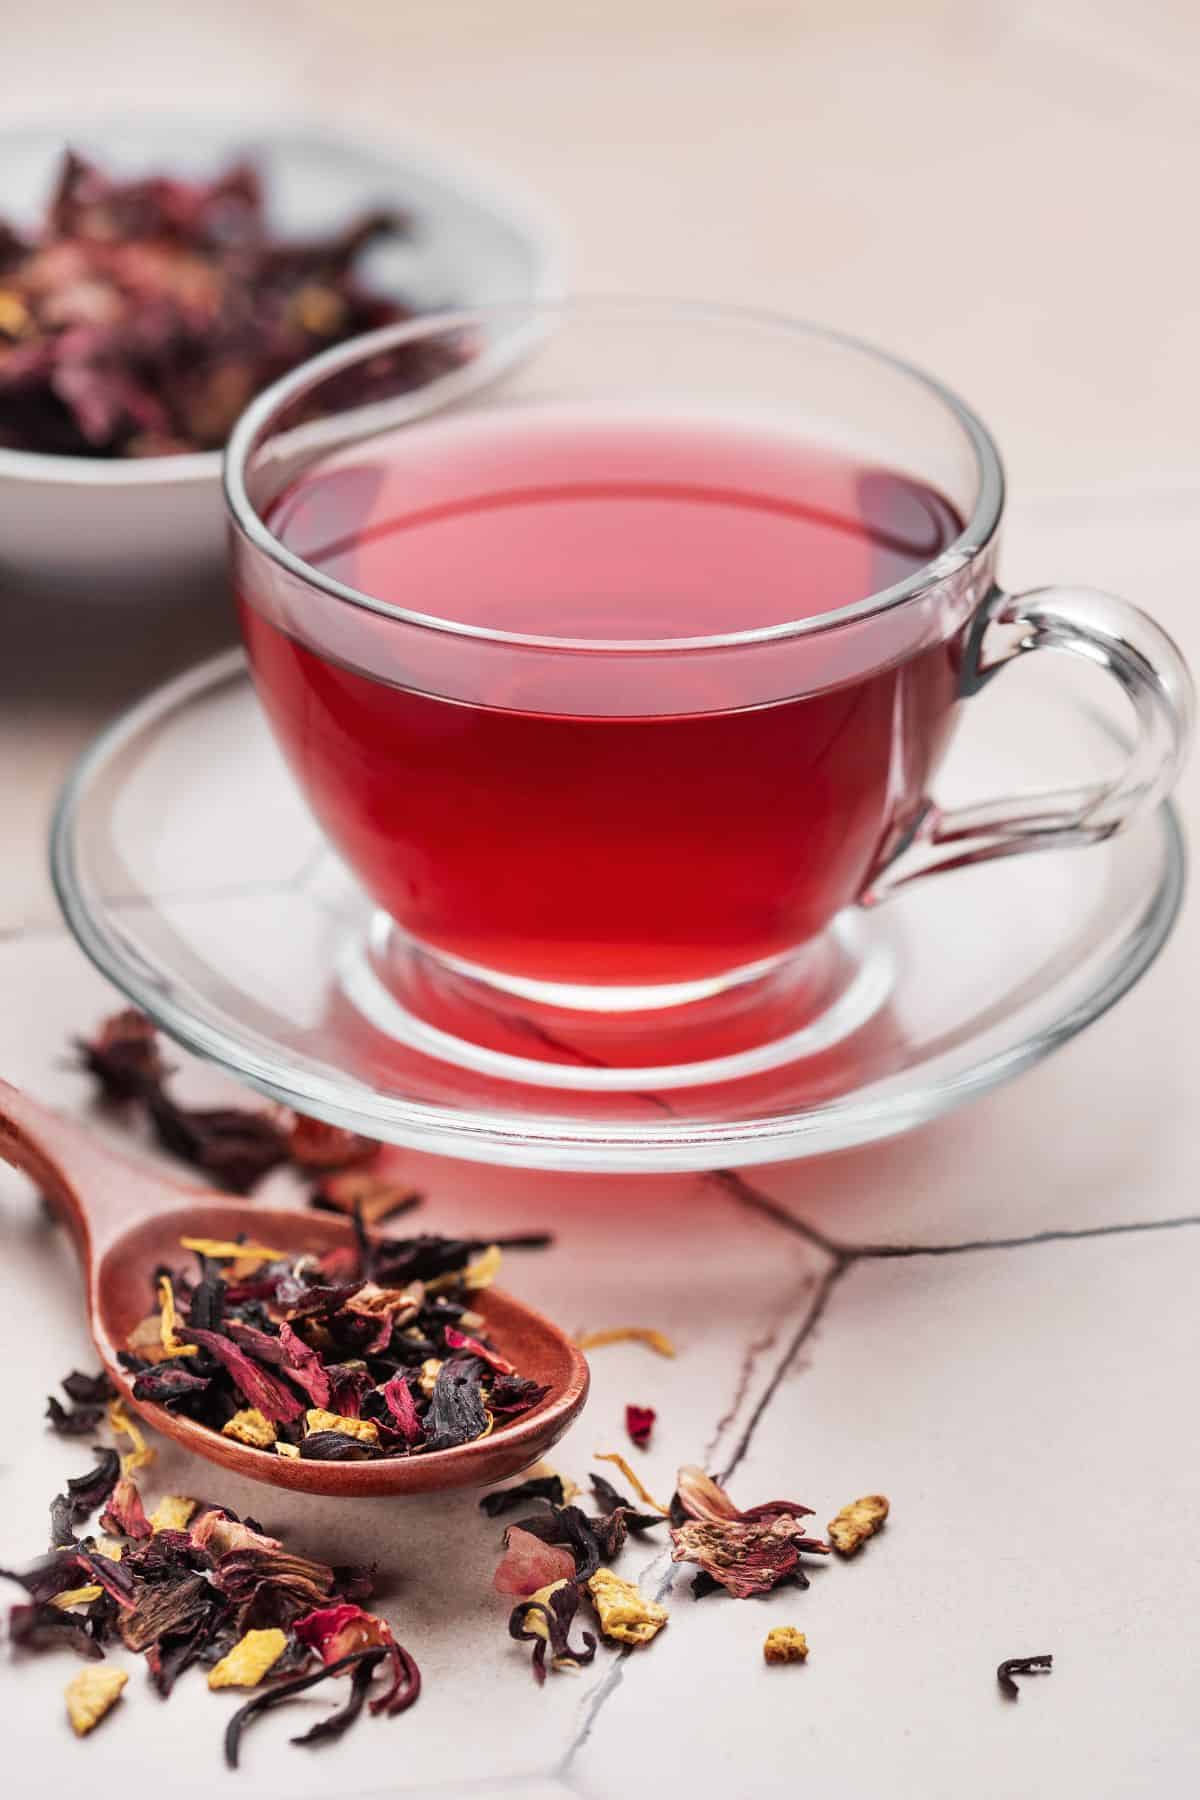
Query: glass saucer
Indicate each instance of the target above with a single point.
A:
(192, 874)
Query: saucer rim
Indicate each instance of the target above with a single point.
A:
(521, 1142)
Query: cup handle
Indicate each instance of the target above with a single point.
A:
(1105, 631)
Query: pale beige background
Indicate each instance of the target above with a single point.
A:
(1005, 192)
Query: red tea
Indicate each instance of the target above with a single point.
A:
(540, 822)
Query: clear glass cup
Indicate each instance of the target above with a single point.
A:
(617, 645)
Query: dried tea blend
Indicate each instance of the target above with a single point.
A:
(191, 1583)
(143, 315)
(349, 1356)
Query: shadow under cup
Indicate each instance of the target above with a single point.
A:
(613, 646)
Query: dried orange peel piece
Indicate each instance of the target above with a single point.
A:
(366, 1430)
(93, 1693)
(624, 1612)
(784, 1644)
(857, 1522)
(252, 1657)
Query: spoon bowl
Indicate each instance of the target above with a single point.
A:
(127, 1218)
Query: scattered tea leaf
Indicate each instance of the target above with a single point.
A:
(1021, 1665)
(276, 1696)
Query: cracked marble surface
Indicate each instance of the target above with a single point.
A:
(992, 1320)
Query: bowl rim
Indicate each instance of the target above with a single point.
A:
(510, 201)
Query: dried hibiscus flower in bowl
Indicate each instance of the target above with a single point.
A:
(143, 315)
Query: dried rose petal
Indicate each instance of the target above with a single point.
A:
(639, 1423)
(529, 1564)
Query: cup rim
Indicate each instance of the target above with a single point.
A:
(978, 530)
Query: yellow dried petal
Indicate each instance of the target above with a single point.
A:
(623, 1610)
(168, 1323)
(627, 1334)
(784, 1644)
(282, 1449)
(80, 1596)
(123, 1426)
(173, 1513)
(429, 1375)
(634, 1481)
(222, 1249)
(366, 1430)
(250, 1427)
(106, 1547)
(251, 1657)
(91, 1694)
(857, 1522)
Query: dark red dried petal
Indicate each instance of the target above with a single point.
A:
(639, 1423)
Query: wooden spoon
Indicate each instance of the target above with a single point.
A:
(127, 1220)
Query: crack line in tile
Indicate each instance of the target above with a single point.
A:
(812, 1318)
(751, 1197)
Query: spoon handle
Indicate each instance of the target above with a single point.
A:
(97, 1191)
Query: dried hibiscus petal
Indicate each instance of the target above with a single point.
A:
(266, 1394)
(546, 1619)
(87, 1492)
(275, 1696)
(88, 1390)
(457, 1414)
(459, 1340)
(745, 1557)
(123, 1057)
(312, 1144)
(168, 1386)
(402, 1408)
(124, 1515)
(77, 1421)
(698, 1496)
(42, 1626)
(539, 1487)
(233, 1144)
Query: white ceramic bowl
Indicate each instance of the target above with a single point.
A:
(121, 526)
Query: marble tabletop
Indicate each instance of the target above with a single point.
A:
(993, 1320)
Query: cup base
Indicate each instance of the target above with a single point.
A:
(613, 1039)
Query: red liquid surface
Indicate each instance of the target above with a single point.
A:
(574, 843)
